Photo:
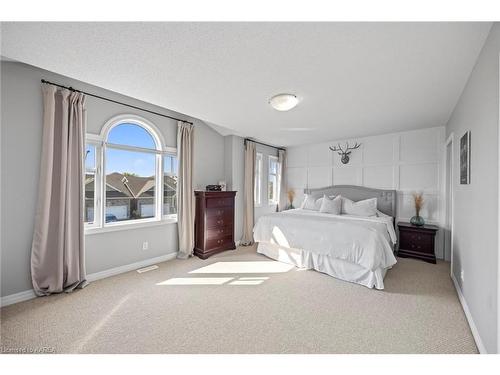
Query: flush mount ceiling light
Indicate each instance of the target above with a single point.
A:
(283, 102)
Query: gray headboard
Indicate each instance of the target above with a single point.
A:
(386, 199)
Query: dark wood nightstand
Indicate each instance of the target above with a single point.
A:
(417, 242)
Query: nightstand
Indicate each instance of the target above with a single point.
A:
(417, 242)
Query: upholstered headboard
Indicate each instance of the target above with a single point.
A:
(386, 199)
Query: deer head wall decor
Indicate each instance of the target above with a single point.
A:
(344, 153)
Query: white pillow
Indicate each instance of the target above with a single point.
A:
(367, 207)
(309, 203)
(331, 206)
(381, 214)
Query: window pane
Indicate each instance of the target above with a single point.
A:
(257, 179)
(90, 157)
(272, 188)
(131, 135)
(89, 198)
(273, 166)
(130, 185)
(169, 185)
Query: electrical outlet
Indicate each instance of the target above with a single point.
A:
(462, 275)
(145, 246)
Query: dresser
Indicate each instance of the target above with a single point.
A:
(214, 222)
(417, 242)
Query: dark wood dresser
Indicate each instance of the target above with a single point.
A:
(214, 222)
(417, 242)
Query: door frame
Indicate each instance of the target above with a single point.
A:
(449, 200)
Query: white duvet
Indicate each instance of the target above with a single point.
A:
(365, 241)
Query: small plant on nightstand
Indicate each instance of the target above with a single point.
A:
(291, 195)
(418, 199)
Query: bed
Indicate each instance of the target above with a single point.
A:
(351, 248)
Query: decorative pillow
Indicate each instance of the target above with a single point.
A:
(309, 203)
(367, 207)
(331, 206)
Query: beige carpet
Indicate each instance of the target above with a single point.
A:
(237, 305)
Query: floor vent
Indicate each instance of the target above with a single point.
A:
(146, 269)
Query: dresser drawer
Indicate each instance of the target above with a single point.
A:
(219, 202)
(217, 233)
(219, 211)
(219, 242)
(219, 221)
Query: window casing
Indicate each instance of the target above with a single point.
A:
(257, 191)
(273, 180)
(129, 176)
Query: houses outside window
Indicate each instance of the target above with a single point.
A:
(170, 186)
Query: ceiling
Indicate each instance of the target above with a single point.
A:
(352, 79)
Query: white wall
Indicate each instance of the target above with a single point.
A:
(21, 126)
(407, 161)
(475, 235)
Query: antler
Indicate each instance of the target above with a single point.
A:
(354, 147)
(337, 148)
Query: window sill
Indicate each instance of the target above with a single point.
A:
(129, 226)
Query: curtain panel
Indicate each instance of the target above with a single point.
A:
(185, 191)
(283, 200)
(248, 194)
(58, 249)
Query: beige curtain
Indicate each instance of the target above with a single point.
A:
(57, 252)
(248, 194)
(185, 192)
(283, 200)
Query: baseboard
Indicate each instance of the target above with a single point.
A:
(470, 320)
(129, 267)
(17, 297)
(29, 294)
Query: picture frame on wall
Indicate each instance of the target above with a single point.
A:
(465, 159)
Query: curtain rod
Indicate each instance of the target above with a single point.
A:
(263, 144)
(114, 101)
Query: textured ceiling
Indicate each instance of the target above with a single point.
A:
(353, 79)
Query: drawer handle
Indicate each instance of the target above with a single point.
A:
(220, 221)
(220, 241)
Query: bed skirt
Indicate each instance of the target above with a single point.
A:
(337, 268)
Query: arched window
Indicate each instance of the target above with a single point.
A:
(138, 182)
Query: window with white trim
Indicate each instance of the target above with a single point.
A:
(129, 177)
(273, 180)
(257, 191)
